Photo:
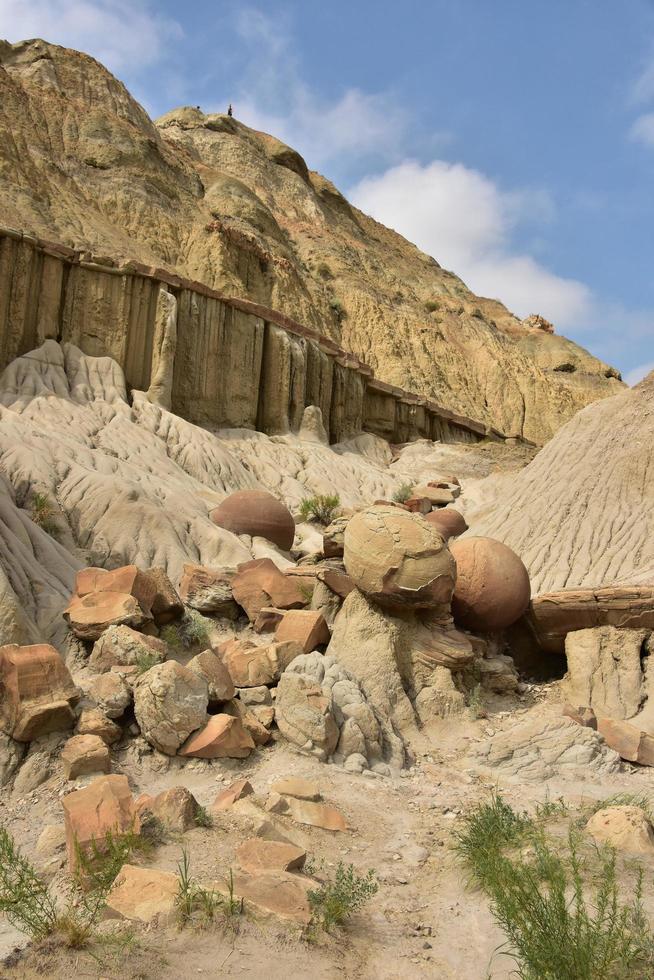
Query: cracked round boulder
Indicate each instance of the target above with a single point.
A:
(492, 585)
(397, 559)
(257, 513)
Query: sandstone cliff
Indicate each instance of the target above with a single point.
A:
(204, 195)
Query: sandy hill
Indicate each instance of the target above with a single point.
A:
(82, 163)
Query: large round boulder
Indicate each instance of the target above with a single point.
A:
(492, 585)
(257, 513)
(170, 702)
(397, 559)
(450, 522)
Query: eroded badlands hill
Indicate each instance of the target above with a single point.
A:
(81, 163)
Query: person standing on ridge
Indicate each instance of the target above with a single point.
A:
(230, 111)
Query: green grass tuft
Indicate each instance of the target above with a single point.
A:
(190, 631)
(44, 515)
(402, 494)
(322, 508)
(335, 901)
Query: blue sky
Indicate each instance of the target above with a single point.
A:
(513, 141)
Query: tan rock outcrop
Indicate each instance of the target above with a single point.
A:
(37, 692)
(397, 559)
(252, 666)
(303, 715)
(628, 740)
(219, 682)
(90, 615)
(553, 615)
(258, 514)
(111, 694)
(604, 671)
(175, 809)
(145, 895)
(166, 603)
(92, 721)
(333, 538)
(256, 855)
(238, 789)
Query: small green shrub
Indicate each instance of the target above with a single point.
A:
(203, 817)
(322, 509)
(402, 494)
(98, 866)
(476, 702)
(44, 515)
(559, 925)
(191, 630)
(324, 271)
(335, 901)
(432, 305)
(24, 897)
(337, 308)
(202, 905)
(144, 661)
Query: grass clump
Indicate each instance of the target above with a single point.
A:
(202, 906)
(322, 509)
(44, 515)
(337, 309)
(432, 305)
(335, 901)
(144, 661)
(203, 817)
(403, 492)
(191, 630)
(99, 864)
(562, 911)
(324, 271)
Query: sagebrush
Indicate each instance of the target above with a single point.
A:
(335, 901)
(192, 630)
(403, 492)
(44, 515)
(322, 509)
(559, 903)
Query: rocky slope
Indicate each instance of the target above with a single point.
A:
(81, 163)
(594, 482)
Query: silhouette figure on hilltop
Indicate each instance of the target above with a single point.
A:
(230, 111)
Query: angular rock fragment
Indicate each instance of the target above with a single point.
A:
(626, 828)
(223, 737)
(304, 626)
(209, 590)
(219, 682)
(111, 694)
(236, 791)
(259, 583)
(83, 754)
(123, 646)
(144, 895)
(166, 603)
(253, 666)
(92, 721)
(90, 813)
(629, 741)
(256, 856)
(175, 809)
(37, 692)
(301, 789)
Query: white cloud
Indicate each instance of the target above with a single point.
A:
(271, 95)
(643, 129)
(638, 373)
(122, 34)
(465, 221)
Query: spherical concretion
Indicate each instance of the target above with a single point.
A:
(257, 513)
(397, 559)
(492, 585)
(448, 521)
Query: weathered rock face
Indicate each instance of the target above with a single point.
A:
(144, 895)
(304, 626)
(604, 671)
(260, 583)
(90, 813)
(449, 522)
(333, 538)
(626, 828)
(120, 645)
(111, 694)
(258, 514)
(83, 754)
(176, 809)
(303, 715)
(209, 590)
(545, 747)
(590, 484)
(251, 666)
(492, 585)
(553, 615)
(223, 737)
(37, 692)
(170, 702)
(628, 740)
(398, 560)
(219, 682)
(235, 234)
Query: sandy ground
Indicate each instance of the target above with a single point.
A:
(425, 921)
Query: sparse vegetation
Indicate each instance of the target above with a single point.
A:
(403, 492)
(324, 271)
(98, 866)
(561, 908)
(322, 509)
(192, 630)
(203, 817)
(335, 901)
(44, 515)
(144, 661)
(337, 308)
(476, 699)
(432, 305)
(24, 898)
(199, 905)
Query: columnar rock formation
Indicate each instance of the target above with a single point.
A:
(82, 164)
